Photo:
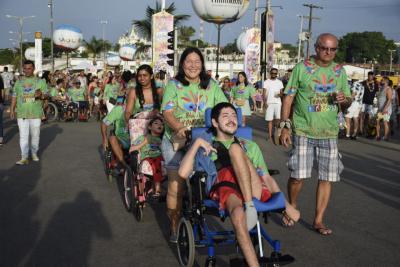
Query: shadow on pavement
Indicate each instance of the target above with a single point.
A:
(378, 181)
(18, 228)
(68, 244)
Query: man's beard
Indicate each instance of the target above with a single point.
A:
(228, 132)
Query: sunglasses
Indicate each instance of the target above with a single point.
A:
(327, 49)
(273, 73)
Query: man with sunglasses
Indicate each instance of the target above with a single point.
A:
(319, 89)
(273, 88)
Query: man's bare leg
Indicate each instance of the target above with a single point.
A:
(272, 186)
(294, 187)
(238, 219)
(242, 172)
(270, 129)
(116, 148)
(323, 195)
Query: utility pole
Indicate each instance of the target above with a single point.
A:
(311, 7)
(391, 60)
(301, 34)
(50, 6)
(21, 24)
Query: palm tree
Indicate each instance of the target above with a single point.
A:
(143, 27)
(96, 46)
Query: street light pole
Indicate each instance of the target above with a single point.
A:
(300, 37)
(21, 23)
(391, 60)
(104, 22)
(50, 5)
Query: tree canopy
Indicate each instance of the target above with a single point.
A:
(355, 47)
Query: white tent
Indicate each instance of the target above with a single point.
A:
(356, 73)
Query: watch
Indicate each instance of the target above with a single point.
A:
(285, 124)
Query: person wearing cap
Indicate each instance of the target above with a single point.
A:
(27, 107)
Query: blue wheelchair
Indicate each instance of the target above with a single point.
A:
(193, 230)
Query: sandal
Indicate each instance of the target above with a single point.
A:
(323, 230)
(286, 220)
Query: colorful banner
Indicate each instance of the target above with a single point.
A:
(162, 23)
(270, 39)
(252, 54)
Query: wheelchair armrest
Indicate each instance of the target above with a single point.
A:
(276, 202)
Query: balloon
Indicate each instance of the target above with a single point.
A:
(220, 11)
(30, 53)
(113, 59)
(127, 52)
(67, 37)
(246, 38)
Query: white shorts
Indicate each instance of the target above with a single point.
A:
(273, 112)
(354, 110)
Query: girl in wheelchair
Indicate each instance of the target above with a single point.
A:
(149, 147)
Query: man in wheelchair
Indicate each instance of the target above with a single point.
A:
(241, 175)
(119, 139)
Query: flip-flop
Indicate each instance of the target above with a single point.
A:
(286, 220)
(323, 230)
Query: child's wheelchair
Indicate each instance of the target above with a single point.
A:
(138, 176)
(193, 230)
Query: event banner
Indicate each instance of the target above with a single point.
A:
(38, 52)
(270, 40)
(161, 24)
(252, 54)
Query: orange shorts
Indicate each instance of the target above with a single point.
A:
(222, 193)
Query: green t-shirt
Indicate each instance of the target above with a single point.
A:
(97, 92)
(315, 113)
(190, 102)
(243, 92)
(111, 91)
(24, 92)
(252, 151)
(153, 147)
(53, 92)
(116, 116)
(76, 94)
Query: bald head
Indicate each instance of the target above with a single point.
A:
(322, 38)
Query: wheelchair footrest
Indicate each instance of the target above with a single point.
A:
(276, 259)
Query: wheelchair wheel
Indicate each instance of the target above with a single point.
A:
(185, 244)
(139, 212)
(51, 112)
(128, 194)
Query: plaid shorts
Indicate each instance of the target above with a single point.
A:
(326, 153)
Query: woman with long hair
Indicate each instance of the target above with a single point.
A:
(186, 98)
(240, 95)
(145, 96)
(226, 88)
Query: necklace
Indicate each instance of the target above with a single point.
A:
(369, 87)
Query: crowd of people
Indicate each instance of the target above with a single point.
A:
(303, 107)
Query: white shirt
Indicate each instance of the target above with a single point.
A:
(7, 78)
(272, 88)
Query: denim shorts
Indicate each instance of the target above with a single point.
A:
(172, 159)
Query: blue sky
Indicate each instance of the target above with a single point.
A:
(338, 17)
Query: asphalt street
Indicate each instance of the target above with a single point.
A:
(62, 211)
